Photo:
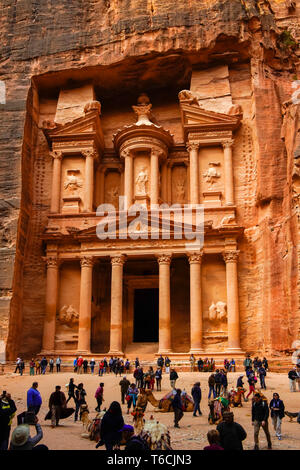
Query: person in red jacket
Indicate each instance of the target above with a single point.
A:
(99, 396)
(79, 365)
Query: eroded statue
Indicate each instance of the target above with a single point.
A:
(211, 175)
(141, 182)
(217, 311)
(72, 182)
(68, 315)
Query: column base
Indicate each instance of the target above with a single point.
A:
(115, 353)
(235, 351)
(197, 351)
(83, 352)
(47, 352)
(164, 352)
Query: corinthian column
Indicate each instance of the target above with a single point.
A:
(194, 172)
(128, 176)
(231, 258)
(51, 305)
(117, 263)
(85, 309)
(164, 262)
(196, 327)
(154, 188)
(89, 155)
(56, 181)
(228, 172)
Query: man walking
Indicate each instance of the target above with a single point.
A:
(260, 415)
(57, 401)
(218, 382)
(231, 434)
(80, 394)
(99, 396)
(173, 377)
(262, 374)
(44, 364)
(277, 413)
(293, 378)
(158, 377)
(34, 399)
(197, 395)
(71, 391)
(177, 407)
(58, 363)
(211, 385)
(124, 384)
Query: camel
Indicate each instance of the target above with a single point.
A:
(163, 405)
(235, 397)
(217, 407)
(155, 435)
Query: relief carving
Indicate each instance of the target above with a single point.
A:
(212, 175)
(68, 315)
(217, 311)
(141, 182)
(72, 182)
(113, 195)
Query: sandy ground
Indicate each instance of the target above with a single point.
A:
(192, 432)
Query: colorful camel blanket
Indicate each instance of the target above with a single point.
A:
(184, 398)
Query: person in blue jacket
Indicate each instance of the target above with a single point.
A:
(34, 399)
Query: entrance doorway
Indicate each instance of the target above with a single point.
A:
(145, 321)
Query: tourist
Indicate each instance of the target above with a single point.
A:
(255, 365)
(224, 382)
(218, 382)
(277, 413)
(127, 366)
(111, 425)
(124, 384)
(80, 395)
(131, 397)
(197, 395)
(92, 365)
(57, 402)
(177, 407)
(31, 367)
(265, 363)
(213, 438)
(260, 415)
(137, 362)
(99, 396)
(85, 365)
(200, 364)
(17, 365)
(158, 377)
(212, 364)
(37, 367)
(58, 364)
(232, 365)
(111, 363)
(298, 377)
(105, 368)
(121, 368)
(173, 378)
(21, 366)
(192, 362)
(44, 364)
(160, 362)
(34, 399)
(7, 412)
(231, 433)
(167, 364)
(293, 376)
(239, 382)
(211, 385)
(247, 362)
(262, 374)
(226, 364)
(71, 391)
(251, 381)
(79, 365)
(51, 364)
(75, 364)
(21, 439)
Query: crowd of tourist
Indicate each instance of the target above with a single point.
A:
(228, 434)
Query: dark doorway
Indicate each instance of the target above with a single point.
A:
(145, 323)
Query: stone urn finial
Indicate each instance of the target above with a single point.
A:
(143, 110)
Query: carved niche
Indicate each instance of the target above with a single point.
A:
(179, 184)
(112, 188)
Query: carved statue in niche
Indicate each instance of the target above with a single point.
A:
(211, 175)
(113, 195)
(72, 182)
(68, 315)
(217, 311)
(141, 182)
(180, 191)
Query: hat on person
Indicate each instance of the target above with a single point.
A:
(242, 375)
(20, 435)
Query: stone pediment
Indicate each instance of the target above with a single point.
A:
(86, 128)
(197, 119)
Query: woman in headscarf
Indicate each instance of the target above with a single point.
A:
(111, 426)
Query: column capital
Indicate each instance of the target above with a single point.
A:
(156, 152)
(56, 154)
(86, 261)
(231, 256)
(192, 146)
(227, 143)
(164, 259)
(117, 260)
(195, 258)
(52, 261)
(125, 153)
(89, 153)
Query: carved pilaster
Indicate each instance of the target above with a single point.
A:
(90, 153)
(192, 146)
(56, 154)
(227, 143)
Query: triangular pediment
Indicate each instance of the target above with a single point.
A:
(194, 118)
(84, 127)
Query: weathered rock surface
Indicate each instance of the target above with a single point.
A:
(148, 44)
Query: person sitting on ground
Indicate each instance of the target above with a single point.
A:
(21, 439)
(111, 425)
(231, 433)
(213, 438)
